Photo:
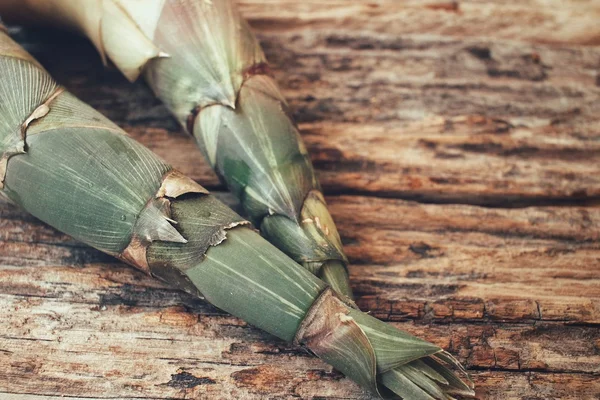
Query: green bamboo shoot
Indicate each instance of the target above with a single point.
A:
(204, 63)
(72, 168)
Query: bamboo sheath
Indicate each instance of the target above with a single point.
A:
(72, 168)
(201, 59)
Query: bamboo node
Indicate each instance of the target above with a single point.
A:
(327, 313)
(175, 184)
(135, 254)
(40, 112)
(20, 145)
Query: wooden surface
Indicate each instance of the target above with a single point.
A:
(459, 145)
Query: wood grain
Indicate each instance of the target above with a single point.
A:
(459, 146)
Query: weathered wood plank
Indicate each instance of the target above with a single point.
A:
(567, 22)
(437, 269)
(498, 384)
(68, 347)
(473, 102)
(424, 117)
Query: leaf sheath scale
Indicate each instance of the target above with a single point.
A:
(201, 59)
(72, 168)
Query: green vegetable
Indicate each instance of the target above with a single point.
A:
(204, 63)
(75, 170)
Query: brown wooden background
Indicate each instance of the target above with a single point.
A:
(459, 146)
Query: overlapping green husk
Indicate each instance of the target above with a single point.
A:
(75, 170)
(214, 78)
(202, 60)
